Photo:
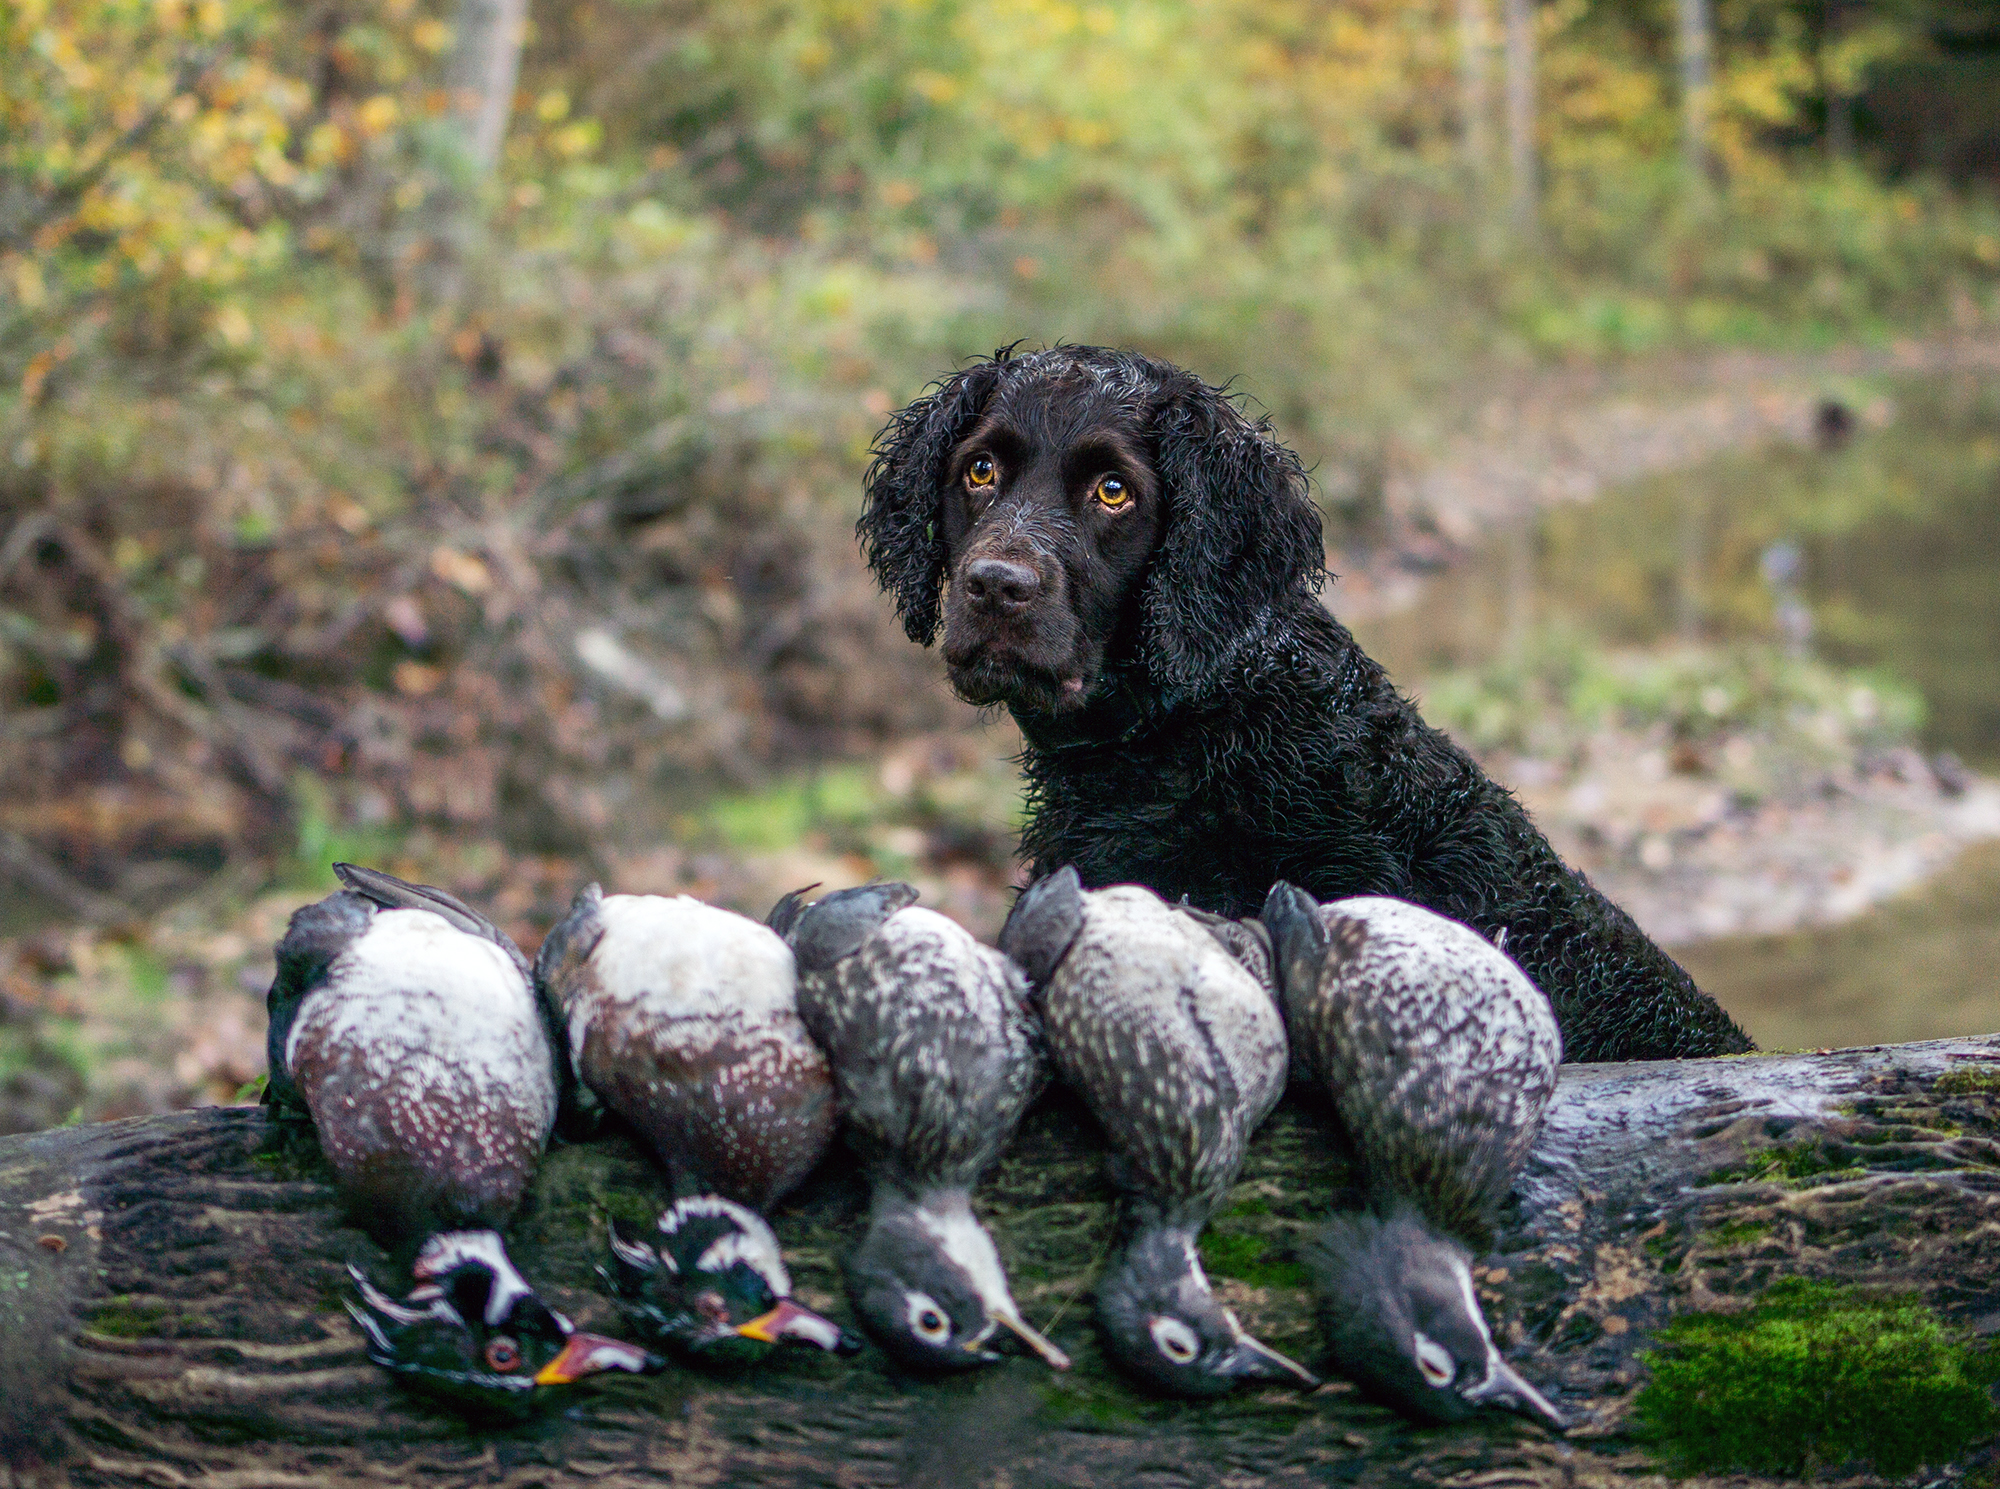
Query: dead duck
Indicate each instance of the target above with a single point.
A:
(936, 1055)
(403, 1023)
(1440, 1055)
(682, 1019)
(475, 1334)
(1180, 1053)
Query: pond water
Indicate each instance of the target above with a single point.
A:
(1892, 543)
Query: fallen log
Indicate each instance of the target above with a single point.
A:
(170, 1298)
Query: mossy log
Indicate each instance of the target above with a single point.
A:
(170, 1298)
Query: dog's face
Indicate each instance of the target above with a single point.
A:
(1067, 510)
(1050, 509)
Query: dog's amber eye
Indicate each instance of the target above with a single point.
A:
(980, 472)
(1111, 492)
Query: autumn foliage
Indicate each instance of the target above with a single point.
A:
(339, 483)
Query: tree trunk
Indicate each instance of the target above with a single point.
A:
(1524, 188)
(1696, 50)
(1475, 48)
(170, 1297)
(485, 59)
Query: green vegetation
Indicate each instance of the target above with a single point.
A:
(354, 446)
(1803, 1163)
(1815, 1376)
(1968, 1079)
(1236, 1245)
(1559, 685)
(125, 1319)
(1256, 1259)
(1737, 1233)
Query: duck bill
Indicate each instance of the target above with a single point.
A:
(590, 1354)
(1506, 1391)
(1252, 1359)
(1018, 1326)
(794, 1321)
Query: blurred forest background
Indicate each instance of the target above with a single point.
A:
(431, 430)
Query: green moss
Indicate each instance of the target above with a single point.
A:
(122, 1319)
(1968, 1079)
(1251, 1258)
(1737, 1232)
(1795, 1162)
(1816, 1376)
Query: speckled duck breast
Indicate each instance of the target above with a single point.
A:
(423, 1058)
(1175, 1046)
(1437, 1050)
(682, 1018)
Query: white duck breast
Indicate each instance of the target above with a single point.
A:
(427, 1069)
(1178, 1050)
(683, 1019)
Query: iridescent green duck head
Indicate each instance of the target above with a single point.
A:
(474, 1334)
(710, 1283)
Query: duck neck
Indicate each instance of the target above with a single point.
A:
(945, 1213)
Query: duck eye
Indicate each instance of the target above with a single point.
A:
(927, 1320)
(711, 1307)
(1435, 1361)
(1175, 1340)
(981, 472)
(503, 1355)
(1112, 493)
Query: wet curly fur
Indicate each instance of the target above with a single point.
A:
(1230, 732)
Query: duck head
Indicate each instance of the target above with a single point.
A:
(927, 1284)
(1163, 1323)
(710, 1282)
(473, 1333)
(1402, 1321)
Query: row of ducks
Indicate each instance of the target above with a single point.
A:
(435, 1062)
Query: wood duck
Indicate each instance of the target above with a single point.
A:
(1180, 1053)
(936, 1055)
(712, 1282)
(682, 1019)
(403, 1023)
(474, 1333)
(1440, 1055)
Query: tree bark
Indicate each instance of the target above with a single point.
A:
(485, 59)
(1475, 48)
(1696, 50)
(1524, 177)
(170, 1294)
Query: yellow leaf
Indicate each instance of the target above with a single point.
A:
(233, 326)
(414, 679)
(28, 286)
(377, 115)
(462, 570)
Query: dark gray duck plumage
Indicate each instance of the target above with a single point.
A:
(1180, 1053)
(936, 1055)
(1440, 1056)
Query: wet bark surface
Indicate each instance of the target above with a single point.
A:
(170, 1297)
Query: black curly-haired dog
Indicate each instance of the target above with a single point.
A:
(1133, 567)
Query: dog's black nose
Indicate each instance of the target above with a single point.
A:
(1000, 585)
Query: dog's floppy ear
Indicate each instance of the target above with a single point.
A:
(1242, 535)
(900, 533)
